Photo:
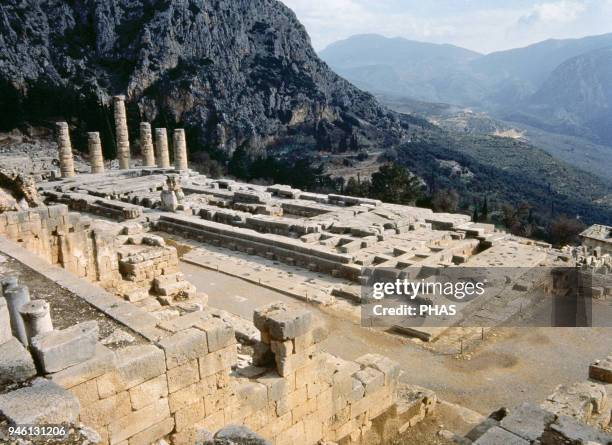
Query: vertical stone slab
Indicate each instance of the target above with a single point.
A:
(16, 297)
(95, 152)
(146, 145)
(161, 145)
(121, 128)
(36, 316)
(180, 149)
(64, 146)
(5, 322)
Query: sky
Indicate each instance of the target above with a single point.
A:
(480, 25)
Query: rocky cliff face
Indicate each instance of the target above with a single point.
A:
(238, 73)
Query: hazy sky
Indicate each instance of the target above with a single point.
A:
(481, 25)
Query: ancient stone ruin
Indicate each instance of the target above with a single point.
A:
(146, 359)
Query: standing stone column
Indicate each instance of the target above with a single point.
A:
(121, 128)
(37, 318)
(161, 145)
(96, 158)
(180, 149)
(146, 145)
(65, 150)
(16, 297)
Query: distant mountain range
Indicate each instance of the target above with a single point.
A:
(561, 86)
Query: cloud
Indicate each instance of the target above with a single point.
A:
(564, 11)
(481, 25)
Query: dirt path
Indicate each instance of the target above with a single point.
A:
(511, 366)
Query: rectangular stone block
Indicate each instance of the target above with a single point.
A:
(182, 376)
(219, 334)
(58, 350)
(102, 362)
(371, 378)
(42, 403)
(601, 370)
(148, 392)
(105, 411)
(184, 346)
(188, 416)
(138, 364)
(217, 361)
(16, 364)
(86, 392)
(277, 386)
(152, 434)
(138, 421)
(388, 367)
(282, 321)
(186, 396)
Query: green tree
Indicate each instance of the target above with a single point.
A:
(395, 184)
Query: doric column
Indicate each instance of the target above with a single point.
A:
(96, 158)
(121, 128)
(146, 145)
(161, 145)
(36, 317)
(65, 150)
(180, 149)
(16, 297)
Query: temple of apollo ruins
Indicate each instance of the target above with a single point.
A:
(103, 321)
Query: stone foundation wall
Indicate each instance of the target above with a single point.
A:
(188, 382)
(63, 238)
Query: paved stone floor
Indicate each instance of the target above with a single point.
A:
(512, 366)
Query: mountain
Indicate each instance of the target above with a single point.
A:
(424, 71)
(243, 79)
(575, 99)
(523, 84)
(236, 73)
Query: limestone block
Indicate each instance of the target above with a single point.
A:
(138, 421)
(5, 322)
(184, 346)
(16, 364)
(526, 421)
(58, 350)
(186, 396)
(580, 400)
(102, 362)
(42, 403)
(218, 361)
(186, 417)
(219, 334)
(105, 411)
(499, 436)
(569, 430)
(252, 396)
(282, 322)
(153, 433)
(148, 392)
(183, 375)
(86, 392)
(138, 364)
(239, 434)
(277, 386)
(388, 367)
(601, 370)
